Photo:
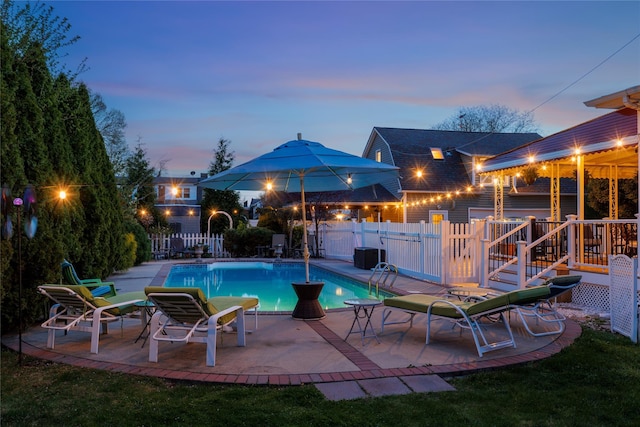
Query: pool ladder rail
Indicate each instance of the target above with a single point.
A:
(380, 275)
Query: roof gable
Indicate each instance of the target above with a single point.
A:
(419, 141)
(411, 152)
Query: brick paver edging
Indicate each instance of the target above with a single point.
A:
(368, 368)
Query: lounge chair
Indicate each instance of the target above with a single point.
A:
(186, 315)
(96, 286)
(278, 245)
(544, 309)
(466, 313)
(76, 308)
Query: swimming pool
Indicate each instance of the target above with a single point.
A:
(269, 282)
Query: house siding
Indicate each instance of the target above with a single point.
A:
(393, 186)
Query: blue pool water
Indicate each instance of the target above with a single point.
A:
(269, 282)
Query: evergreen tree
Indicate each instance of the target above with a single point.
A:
(49, 140)
(220, 200)
(138, 185)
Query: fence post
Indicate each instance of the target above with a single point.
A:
(423, 252)
(487, 228)
(445, 249)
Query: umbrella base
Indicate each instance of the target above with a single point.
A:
(308, 307)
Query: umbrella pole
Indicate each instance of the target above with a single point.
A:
(305, 240)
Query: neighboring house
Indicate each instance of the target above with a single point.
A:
(439, 178)
(178, 198)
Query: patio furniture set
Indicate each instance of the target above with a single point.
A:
(186, 315)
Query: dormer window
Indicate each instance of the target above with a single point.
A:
(436, 152)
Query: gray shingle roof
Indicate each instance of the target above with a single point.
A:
(469, 143)
(410, 149)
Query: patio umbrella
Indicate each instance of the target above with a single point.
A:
(299, 166)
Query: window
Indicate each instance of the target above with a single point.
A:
(437, 153)
(378, 156)
(179, 193)
(437, 216)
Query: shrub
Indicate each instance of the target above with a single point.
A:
(143, 248)
(243, 242)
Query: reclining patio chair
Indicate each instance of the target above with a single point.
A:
(76, 308)
(185, 315)
(97, 287)
(544, 309)
(467, 313)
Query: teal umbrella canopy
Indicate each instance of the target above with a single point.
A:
(298, 166)
(322, 168)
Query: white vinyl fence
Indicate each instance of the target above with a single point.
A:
(166, 245)
(442, 253)
(416, 249)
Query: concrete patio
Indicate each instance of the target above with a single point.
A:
(285, 351)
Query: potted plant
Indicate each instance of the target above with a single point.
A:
(198, 250)
(529, 175)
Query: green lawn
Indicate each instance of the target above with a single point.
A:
(594, 382)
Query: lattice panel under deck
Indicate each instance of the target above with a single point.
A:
(592, 296)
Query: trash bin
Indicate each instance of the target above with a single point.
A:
(367, 258)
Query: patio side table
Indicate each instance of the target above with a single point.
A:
(363, 309)
(147, 308)
(308, 307)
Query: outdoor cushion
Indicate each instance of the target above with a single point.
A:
(421, 302)
(212, 305)
(101, 291)
(86, 294)
(564, 280)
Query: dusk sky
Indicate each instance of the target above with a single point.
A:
(256, 73)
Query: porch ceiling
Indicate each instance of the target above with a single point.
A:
(605, 142)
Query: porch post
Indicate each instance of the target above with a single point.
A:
(484, 263)
(571, 240)
(522, 263)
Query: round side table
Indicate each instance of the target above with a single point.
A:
(362, 310)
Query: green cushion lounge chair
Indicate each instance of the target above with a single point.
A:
(95, 285)
(186, 315)
(76, 308)
(467, 313)
(544, 310)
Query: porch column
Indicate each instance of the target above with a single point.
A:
(580, 177)
(498, 196)
(555, 192)
(613, 191)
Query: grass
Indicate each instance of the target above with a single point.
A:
(594, 382)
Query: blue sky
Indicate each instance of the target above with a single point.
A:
(256, 73)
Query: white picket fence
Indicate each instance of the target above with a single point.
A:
(166, 245)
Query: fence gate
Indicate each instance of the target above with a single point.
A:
(461, 252)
